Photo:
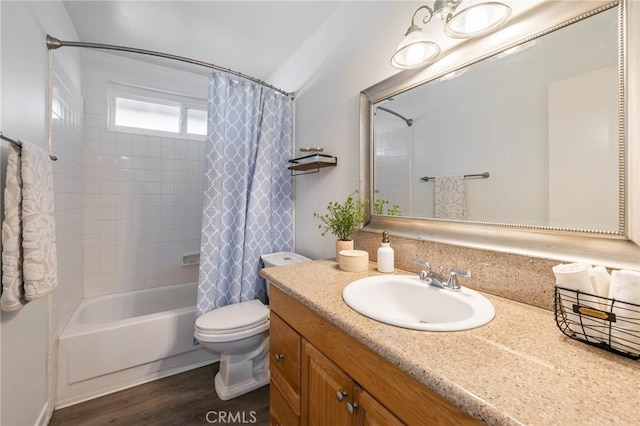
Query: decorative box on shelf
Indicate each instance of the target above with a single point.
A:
(311, 163)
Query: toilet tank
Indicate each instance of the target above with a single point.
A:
(282, 258)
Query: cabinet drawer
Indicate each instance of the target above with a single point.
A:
(285, 359)
(280, 412)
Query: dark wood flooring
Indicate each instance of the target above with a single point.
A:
(184, 399)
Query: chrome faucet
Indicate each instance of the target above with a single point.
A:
(432, 278)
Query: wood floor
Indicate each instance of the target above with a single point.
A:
(184, 399)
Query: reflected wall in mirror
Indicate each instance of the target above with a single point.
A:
(541, 118)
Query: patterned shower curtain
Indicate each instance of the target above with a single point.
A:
(248, 196)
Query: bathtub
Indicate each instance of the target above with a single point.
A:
(117, 341)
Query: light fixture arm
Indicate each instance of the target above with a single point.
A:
(425, 20)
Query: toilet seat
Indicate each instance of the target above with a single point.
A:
(232, 322)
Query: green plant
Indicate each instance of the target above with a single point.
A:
(378, 206)
(342, 220)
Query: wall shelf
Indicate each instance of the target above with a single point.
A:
(311, 163)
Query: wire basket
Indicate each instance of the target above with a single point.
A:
(606, 323)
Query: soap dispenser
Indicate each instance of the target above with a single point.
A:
(385, 255)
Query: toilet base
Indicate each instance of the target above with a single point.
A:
(242, 373)
(226, 392)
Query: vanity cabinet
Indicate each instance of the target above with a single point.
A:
(284, 364)
(331, 378)
(331, 397)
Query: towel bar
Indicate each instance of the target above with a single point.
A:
(484, 175)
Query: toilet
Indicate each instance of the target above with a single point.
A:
(240, 334)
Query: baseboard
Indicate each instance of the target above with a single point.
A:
(44, 417)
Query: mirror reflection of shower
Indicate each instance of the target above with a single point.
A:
(393, 152)
(409, 121)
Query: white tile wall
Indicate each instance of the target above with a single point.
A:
(393, 161)
(143, 207)
(66, 142)
(67, 135)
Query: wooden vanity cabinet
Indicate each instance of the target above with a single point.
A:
(330, 397)
(337, 374)
(284, 365)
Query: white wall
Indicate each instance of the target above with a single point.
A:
(25, 333)
(348, 54)
(580, 177)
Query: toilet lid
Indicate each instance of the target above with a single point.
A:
(228, 318)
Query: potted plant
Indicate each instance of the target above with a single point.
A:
(342, 220)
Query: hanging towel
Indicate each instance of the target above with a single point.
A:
(450, 197)
(29, 257)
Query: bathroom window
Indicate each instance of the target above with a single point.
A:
(142, 110)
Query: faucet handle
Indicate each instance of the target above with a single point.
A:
(452, 282)
(426, 265)
(460, 272)
(424, 273)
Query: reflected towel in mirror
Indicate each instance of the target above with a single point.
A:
(450, 197)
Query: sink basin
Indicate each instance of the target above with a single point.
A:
(406, 301)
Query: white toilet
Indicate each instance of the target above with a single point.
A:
(240, 334)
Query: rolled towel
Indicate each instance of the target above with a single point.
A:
(625, 332)
(600, 281)
(575, 276)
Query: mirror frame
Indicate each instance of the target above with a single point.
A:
(614, 250)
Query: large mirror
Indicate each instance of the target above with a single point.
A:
(535, 130)
(529, 136)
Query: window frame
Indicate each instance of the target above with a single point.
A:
(160, 97)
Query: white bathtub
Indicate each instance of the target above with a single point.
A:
(117, 341)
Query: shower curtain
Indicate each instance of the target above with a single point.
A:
(248, 196)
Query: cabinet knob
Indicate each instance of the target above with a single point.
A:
(279, 357)
(351, 407)
(340, 395)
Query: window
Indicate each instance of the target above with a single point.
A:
(137, 109)
(196, 121)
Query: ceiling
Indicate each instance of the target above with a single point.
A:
(251, 37)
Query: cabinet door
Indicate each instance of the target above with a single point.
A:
(285, 360)
(325, 390)
(371, 413)
(280, 411)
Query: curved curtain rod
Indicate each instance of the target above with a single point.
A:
(53, 43)
(409, 121)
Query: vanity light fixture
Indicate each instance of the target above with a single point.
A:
(416, 48)
(462, 18)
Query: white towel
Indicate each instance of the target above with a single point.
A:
(600, 281)
(625, 332)
(450, 194)
(29, 258)
(575, 276)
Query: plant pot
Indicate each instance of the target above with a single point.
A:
(342, 245)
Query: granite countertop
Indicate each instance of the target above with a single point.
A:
(518, 369)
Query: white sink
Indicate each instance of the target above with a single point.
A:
(406, 301)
